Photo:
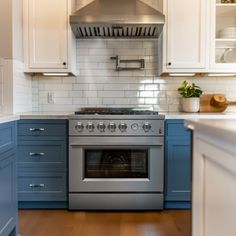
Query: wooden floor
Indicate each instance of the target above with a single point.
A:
(66, 223)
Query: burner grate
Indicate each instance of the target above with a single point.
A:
(114, 111)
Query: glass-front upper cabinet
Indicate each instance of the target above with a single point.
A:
(223, 35)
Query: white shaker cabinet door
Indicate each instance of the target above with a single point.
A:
(47, 27)
(214, 188)
(185, 34)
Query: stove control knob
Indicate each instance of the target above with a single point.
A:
(90, 126)
(79, 127)
(112, 126)
(134, 127)
(122, 127)
(101, 126)
(146, 126)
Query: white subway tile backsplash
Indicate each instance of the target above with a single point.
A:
(122, 101)
(94, 101)
(76, 94)
(108, 101)
(95, 86)
(61, 94)
(99, 84)
(116, 87)
(80, 86)
(90, 94)
(80, 101)
(137, 101)
(111, 94)
(151, 101)
(131, 94)
(151, 87)
(146, 94)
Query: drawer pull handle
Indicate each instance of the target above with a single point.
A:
(36, 129)
(36, 154)
(37, 185)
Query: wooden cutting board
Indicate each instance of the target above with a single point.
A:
(205, 104)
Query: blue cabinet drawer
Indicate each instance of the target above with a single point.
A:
(41, 128)
(42, 186)
(175, 128)
(7, 136)
(42, 154)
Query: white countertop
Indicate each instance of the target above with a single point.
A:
(65, 115)
(169, 115)
(45, 115)
(221, 129)
(7, 118)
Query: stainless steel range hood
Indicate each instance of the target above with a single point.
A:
(117, 18)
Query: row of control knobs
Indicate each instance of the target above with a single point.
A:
(111, 126)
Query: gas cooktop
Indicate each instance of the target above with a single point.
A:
(114, 111)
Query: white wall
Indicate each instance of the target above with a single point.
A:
(22, 89)
(100, 85)
(17, 28)
(15, 88)
(157, 4)
(5, 28)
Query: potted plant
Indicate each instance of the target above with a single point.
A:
(190, 93)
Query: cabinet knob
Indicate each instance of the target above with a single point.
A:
(64, 63)
(169, 64)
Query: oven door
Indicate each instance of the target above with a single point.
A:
(96, 167)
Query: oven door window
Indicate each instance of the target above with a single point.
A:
(116, 163)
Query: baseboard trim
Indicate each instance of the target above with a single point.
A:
(177, 205)
(42, 205)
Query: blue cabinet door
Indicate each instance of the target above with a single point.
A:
(177, 165)
(178, 170)
(7, 136)
(8, 198)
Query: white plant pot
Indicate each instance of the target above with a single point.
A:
(191, 104)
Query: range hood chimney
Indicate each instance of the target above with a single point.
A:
(117, 19)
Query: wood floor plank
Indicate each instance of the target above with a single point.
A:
(77, 223)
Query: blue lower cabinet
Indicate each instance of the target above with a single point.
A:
(42, 128)
(42, 154)
(177, 165)
(7, 136)
(42, 186)
(42, 164)
(8, 194)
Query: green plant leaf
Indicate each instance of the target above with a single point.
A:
(189, 90)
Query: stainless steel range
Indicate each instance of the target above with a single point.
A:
(116, 159)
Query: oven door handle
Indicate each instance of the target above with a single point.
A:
(128, 145)
(116, 141)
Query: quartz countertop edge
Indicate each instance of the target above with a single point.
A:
(7, 118)
(223, 130)
(46, 115)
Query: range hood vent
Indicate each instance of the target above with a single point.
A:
(117, 19)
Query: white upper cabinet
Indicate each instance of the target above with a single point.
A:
(185, 35)
(223, 36)
(48, 41)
